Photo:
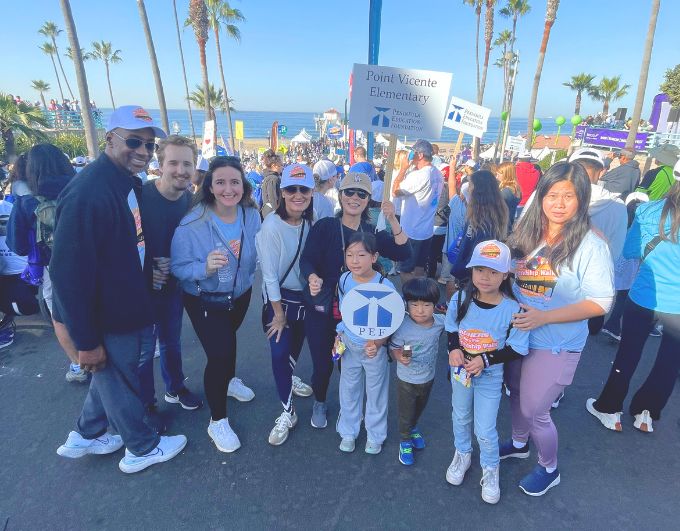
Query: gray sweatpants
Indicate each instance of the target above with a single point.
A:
(359, 373)
(114, 399)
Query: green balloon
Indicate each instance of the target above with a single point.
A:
(576, 119)
(537, 125)
(504, 115)
(560, 120)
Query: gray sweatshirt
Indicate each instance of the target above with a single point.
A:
(276, 245)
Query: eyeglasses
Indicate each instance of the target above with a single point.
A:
(360, 193)
(134, 143)
(297, 190)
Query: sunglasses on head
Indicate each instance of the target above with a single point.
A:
(360, 193)
(297, 190)
(134, 143)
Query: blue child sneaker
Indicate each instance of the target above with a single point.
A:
(507, 449)
(539, 481)
(417, 439)
(406, 453)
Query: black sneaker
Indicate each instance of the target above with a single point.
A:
(154, 420)
(184, 398)
(507, 449)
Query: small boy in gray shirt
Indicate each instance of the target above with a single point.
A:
(414, 346)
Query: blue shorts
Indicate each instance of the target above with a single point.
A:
(420, 251)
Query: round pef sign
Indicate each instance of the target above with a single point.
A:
(372, 311)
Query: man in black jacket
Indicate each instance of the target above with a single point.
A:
(101, 295)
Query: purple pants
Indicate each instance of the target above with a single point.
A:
(535, 381)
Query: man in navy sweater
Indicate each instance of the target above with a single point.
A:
(101, 295)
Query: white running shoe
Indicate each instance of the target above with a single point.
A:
(373, 448)
(491, 489)
(347, 444)
(456, 471)
(611, 421)
(240, 391)
(284, 424)
(643, 421)
(223, 436)
(167, 448)
(77, 446)
(300, 388)
(78, 376)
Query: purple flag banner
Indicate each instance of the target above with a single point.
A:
(615, 138)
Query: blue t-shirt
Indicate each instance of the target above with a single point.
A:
(346, 283)
(365, 167)
(424, 342)
(591, 275)
(484, 330)
(230, 234)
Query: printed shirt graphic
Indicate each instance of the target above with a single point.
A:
(424, 342)
(476, 341)
(134, 209)
(590, 275)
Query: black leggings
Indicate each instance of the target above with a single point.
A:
(657, 389)
(216, 330)
(320, 332)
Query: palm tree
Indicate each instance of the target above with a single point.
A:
(69, 53)
(220, 13)
(81, 79)
(550, 16)
(644, 72)
(608, 90)
(48, 49)
(198, 19)
(184, 70)
(103, 51)
(477, 6)
(154, 65)
(18, 117)
(42, 87)
(51, 31)
(488, 36)
(216, 97)
(580, 83)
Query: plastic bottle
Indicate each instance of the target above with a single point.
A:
(224, 273)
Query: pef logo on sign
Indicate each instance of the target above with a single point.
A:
(380, 119)
(372, 311)
(456, 115)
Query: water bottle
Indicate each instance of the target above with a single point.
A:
(224, 273)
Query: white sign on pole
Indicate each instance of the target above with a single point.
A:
(467, 117)
(372, 311)
(208, 146)
(399, 101)
(516, 144)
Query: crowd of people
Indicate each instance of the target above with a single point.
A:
(532, 263)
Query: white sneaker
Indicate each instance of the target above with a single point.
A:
(240, 391)
(167, 448)
(300, 388)
(611, 421)
(79, 376)
(284, 424)
(491, 490)
(643, 421)
(456, 471)
(373, 448)
(76, 446)
(347, 444)
(223, 436)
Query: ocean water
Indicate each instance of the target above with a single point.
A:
(257, 124)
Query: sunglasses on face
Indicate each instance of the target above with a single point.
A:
(360, 193)
(134, 143)
(297, 190)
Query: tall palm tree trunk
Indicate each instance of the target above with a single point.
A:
(224, 89)
(551, 11)
(42, 98)
(81, 78)
(488, 36)
(478, 10)
(644, 72)
(108, 80)
(184, 70)
(56, 73)
(154, 66)
(605, 108)
(61, 67)
(204, 78)
(577, 107)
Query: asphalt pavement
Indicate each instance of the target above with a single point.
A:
(609, 480)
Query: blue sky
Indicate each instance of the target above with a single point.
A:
(297, 55)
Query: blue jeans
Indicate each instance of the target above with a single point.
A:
(480, 403)
(167, 330)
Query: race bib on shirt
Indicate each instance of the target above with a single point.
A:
(134, 209)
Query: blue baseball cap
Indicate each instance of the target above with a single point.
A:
(133, 117)
(297, 175)
(424, 147)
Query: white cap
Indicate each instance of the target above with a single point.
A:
(587, 153)
(676, 171)
(525, 155)
(133, 117)
(471, 163)
(325, 169)
(492, 254)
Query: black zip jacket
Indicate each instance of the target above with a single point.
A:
(97, 277)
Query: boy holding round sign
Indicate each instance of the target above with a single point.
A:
(371, 311)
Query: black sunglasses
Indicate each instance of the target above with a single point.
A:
(134, 143)
(297, 190)
(360, 193)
